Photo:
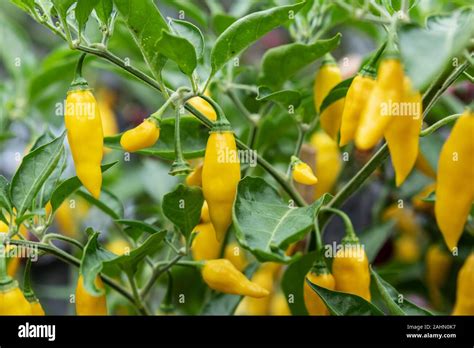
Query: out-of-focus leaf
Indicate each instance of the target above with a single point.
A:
(107, 202)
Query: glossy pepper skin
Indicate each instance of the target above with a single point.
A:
(235, 254)
(464, 300)
(314, 304)
(203, 107)
(279, 305)
(438, 264)
(260, 306)
(144, 135)
(303, 174)
(327, 77)
(328, 163)
(85, 137)
(12, 300)
(87, 304)
(205, 245)
(220, 176)
(454, 188)
(36, 308)
(221, 275)
(350, 269)
(377, 113)
(195, 177)
(403, 133)
(356, 99)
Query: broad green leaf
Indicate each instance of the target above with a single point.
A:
(145, 23)
(69, 186)
(339, 91)
(191, 33)
(285, 97)
(43, 139)
(282, 62)
(143, 226)
(226, 304)
(193, 139)
(293, 280)
(374, 238)
(62, 7)
(5, 201)
(341, 303)
(52, 182)
(104, 9)
(245, 31)
(107, 202)
(265, 224)
(179, 50)
(396, 303)
(221, 21)
(426, 52)
(82, 12)
(34, 170)
(183, 207)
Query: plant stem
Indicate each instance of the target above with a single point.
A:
(51, 236)
(138, 300)
(435, 126)
(157, 272)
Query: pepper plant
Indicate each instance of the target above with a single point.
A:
(205, 153)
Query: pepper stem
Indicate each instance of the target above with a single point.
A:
(319, 266)
(167, 303)
(27, 289)
(180, 166)
(350, 237)
(79, 82)
(369, 68)
(221, 124)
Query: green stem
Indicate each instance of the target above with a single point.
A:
(138, 300)
(296, 152)
(180, 166)
(52, 236)
(235, 99)
(350, 234)
(157, 272)
(27, 289)
(435, 126)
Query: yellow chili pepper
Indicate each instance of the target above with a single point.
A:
(302, 173)
(12, 300)
(464, 300)
(235, 254)
(328, 162)
(438, 263)
(263, 277)
(87, 304)
(279, 305)
(221, 275)
(118, 246)
(385, 96)
(205, 245)
(144, 135)
(220, 174)
(109, 120)
(36, 308)
(407, 249)
(65, 218)
(350, 269)
(327, 77)
(203, 107)
(403, 133)
(405, 219)
(356, 99)
(84, 132)
(454, 188)
(205, 213)
(314, 304)
(195, 177)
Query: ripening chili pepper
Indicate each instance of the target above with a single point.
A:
(407, 249)
(65, 219)
(220, 174)
(235, 254)
(405, 219)
(144, 135)
(302, 172)
(221, 275)
(454, 188)
(438, 263)
(88, 304)
(328, 162)
(205, 245)
(203, 107)
(403, 133)
(418, 202)
(327, 77)
(84, 132)
(383, 103)
(205, 213)
(319, 275)
(464, 300)
(195, 177)
(356, 99)
(107, 114)
(12, 300)
(263, 277)
(118, 246)
(279, 305)
(350, 268)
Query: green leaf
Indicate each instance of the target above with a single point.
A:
(183, 207)
(285, 97)
(341, 303)
(5, 201)
(187, 8)
(104, 10)
(191, 33)
(25, 5)
(282, 62)
(374, 238)
(145, 23)
(108, 203)
(193, 139)
(34, 170)
(221, 21)
(143, 226)
(226, 304)
(69, 186)
(62, 7)
(396, 303)
(426, 52)
(242, 33)
(293, 280)
(82, 12)
(51, 183)
(179, 50)
(43, 139)
(339, 91)
(265, 224)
